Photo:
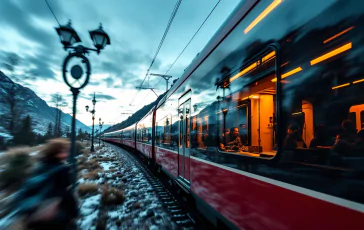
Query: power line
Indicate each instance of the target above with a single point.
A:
(188, 42)
(193, 37)
(174, 12)
(52, 12)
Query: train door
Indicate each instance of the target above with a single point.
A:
(184, 111)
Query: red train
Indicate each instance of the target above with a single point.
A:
(254, 129)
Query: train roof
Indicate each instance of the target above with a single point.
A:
(116, 131)
(234, 18)
(147, 114)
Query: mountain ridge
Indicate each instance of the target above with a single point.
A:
(31, 104)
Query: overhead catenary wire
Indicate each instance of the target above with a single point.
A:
(213, 9)
(174, 12)
(52, 12)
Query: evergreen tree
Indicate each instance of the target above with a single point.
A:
(80, 134)
(49, 133)
(25, 134)
(67, 131)
(39, 139)
(86, 135)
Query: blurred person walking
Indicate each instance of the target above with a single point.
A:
(46, 200)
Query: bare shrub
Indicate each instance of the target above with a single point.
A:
(79, 148)
(90, 165)
(17, 167)
(112, 196)
(82, 159)
(93, 175)
(87, 189)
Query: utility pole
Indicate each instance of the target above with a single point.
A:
(147, 88)
(165, 77)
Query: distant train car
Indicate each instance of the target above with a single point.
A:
(263, 129)
(125, 136)
(143, 132)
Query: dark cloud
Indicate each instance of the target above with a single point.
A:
(38, 66)
(123, 64)
(19, 18)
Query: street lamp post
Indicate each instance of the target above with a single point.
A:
(93, 121)
(77, 81)
(100, 125)
(97, 132)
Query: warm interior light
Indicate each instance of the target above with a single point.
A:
(267, 10)
(296, 113)
(244, 71)
(338, 34)
(358, 81)
(268, 56)
(245, 98)
(254, 96)
(332, 53)
(340, 86)
(289, 73)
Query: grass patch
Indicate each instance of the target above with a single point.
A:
(93, 175)
(87, 189)
(89, 165)
(17, 167)
(100, 159)
(112, 196)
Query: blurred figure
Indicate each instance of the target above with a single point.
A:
(349, 131)
(243, 135)
(46, 200)
(225, 138)
(294, 139)
(344, 143)
(359, 143)
(234, 138)
(205, 136)
(320, 137)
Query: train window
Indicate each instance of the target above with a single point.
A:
(203, 131)
(139, 132)
(163, 132)
(246, 115)
(322, 117)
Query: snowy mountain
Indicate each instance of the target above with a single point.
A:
(29, 103)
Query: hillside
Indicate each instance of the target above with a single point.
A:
(135, 117)
(30, 104)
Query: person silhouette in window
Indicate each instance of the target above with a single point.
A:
(235, 141)
(321, 137)
(294, 139)
(225, 138)
(345, 141)
(349, 131)
(359, 143)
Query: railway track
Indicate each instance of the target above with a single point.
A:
(170, 196)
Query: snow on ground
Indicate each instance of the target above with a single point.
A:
(141, 208)
(89, 210)
(106, 165)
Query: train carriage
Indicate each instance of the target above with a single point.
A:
(282, 81)
(143, 131)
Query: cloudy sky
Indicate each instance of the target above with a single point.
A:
(135, 28)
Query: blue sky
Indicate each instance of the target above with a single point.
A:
(135, 28)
